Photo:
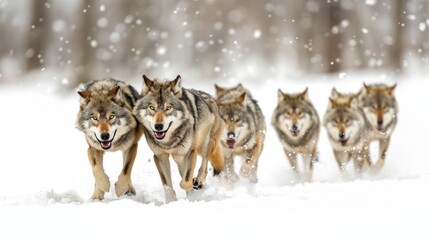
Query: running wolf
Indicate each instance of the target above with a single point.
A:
(345, 123)
(182, 123)
(244, 130)
(381, 112)
(106, 119)
(298, 126)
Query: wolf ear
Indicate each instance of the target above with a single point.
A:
(366, 87)
(334, 93)
(240, 99)
(176, 86)
(219, 89)
(85, 94)
(114, 93)
(304, 95)
(354, 104)
(391, 89)
(147, 84)
(280, 95)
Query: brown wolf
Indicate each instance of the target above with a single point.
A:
(182, 123)
(244, 130)
(106, 119)
(298, 126)
(381, 112)
(346, 126)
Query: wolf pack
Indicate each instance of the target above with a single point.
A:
(185, 124)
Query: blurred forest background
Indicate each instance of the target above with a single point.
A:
(70, 42)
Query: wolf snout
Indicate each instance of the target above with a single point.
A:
(294, 127)
(159, 127)
(230, 135)
(342, 135)
(380, 122)
(105, 136)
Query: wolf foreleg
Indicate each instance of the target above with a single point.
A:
(102, 183)
(187, 170)
(384, 145)
(163, 165)
(124, 185)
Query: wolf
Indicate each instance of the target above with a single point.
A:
(347, 130)
(298, 126)
(244, 132)
(381, 112)
(106, 118)
(182, 123)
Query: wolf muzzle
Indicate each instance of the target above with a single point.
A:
(106, 140)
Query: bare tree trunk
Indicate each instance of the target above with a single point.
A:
(84, 51)
(334, 40)
(397, 48)
(38, 35)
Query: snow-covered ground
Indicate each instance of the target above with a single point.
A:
(46, 180)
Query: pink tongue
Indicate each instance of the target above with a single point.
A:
(230, 143)
(159, 134)
(105, 144)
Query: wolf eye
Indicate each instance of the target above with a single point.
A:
(94, 118)
(152, 108)
(112, 117)
(168, 108)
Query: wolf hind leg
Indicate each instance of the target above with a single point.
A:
(124, 185)
(102, 183)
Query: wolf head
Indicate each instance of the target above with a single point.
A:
(102, 116)
(234, 114)
(294, 114)
(160, 109)
(344, 121)
(380, 106)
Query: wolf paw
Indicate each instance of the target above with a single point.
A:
(248, 171)
(102, 182)
(123, 188)
(197, 184)
(97, 195)
(186, 185)
(130, 192)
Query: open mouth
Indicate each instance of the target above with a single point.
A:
(106, 145)
(230, 142)
(380, 127)
(344, 142)
(295, 132)
(159, 135)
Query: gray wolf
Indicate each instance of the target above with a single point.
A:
(244, 132)
(347, 131)
(106, 119)
(298, 126)
(381, 112)
(182, 123)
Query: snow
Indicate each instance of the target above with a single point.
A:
(46, 180)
